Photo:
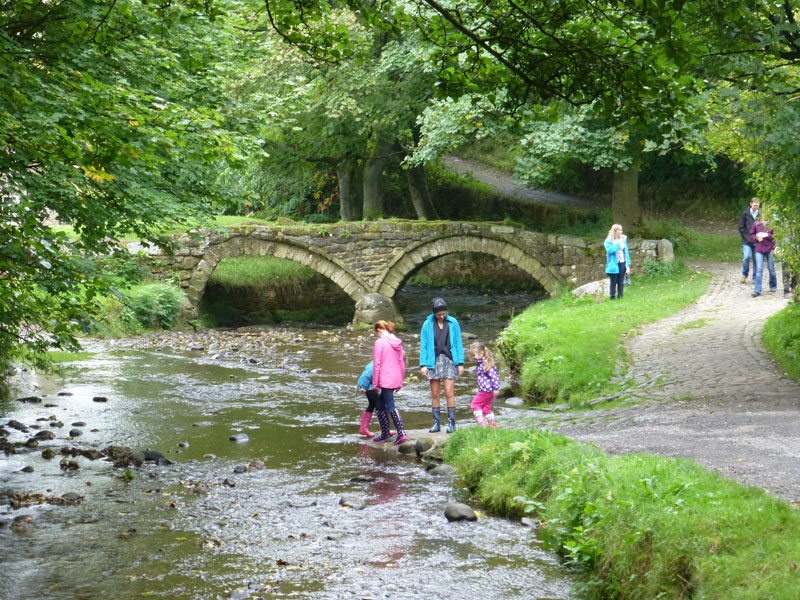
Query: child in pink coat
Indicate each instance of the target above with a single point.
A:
(388, 371)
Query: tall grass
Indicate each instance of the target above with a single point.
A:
(567, 349)
(260, 271)
(635, 526)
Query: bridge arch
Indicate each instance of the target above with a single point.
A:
(427, 251)
(235, 246)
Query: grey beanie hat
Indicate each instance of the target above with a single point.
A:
(438, 305)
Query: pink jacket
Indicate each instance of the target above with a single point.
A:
(388, 362)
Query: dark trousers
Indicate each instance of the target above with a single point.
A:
(617, 281)
(386, 400)
(372, 399)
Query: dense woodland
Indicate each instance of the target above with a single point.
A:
(131, 116)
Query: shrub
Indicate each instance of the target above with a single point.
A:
(154, 305)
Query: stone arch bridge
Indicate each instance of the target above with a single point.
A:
(370, 261)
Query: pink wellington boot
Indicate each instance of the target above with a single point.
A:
(366, 417)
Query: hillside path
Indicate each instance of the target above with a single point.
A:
(505, 184)
(704, 388)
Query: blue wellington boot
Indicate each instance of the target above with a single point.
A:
(437, 420)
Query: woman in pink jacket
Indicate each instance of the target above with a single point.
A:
(388, 371)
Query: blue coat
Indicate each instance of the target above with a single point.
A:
(365, 381)
(427, 350)
(611, 258)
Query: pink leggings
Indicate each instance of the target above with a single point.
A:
(483, 402)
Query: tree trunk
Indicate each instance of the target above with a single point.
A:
(420, 196)
(349, 198)
(373, 174)
(625, 200)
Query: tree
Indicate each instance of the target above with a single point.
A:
(113, 119)
(352, 116)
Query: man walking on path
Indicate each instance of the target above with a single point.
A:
(748, 247)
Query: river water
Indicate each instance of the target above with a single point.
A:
(196, 529)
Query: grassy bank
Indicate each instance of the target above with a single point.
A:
(781, 337)
(567, 349)
(636, 526)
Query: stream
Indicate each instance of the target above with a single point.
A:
(263, 518)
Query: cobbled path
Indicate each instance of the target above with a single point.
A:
(704, 388)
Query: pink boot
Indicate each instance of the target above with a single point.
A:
(479, 419)
(366, 417)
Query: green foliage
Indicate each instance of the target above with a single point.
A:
(635, 526)
(153, 305)
(567, 349)
(114, 120)
(781, 336)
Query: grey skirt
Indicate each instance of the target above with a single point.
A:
(444, 369)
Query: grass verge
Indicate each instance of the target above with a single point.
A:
(781, 337)
(636, 526)
(567, 349)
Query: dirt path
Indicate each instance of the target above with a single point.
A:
(504, 184)
(711, 392)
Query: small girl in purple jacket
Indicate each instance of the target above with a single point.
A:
(488, 385)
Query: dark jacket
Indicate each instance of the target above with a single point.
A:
(766, 245)
(745, 224)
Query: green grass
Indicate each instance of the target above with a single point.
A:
(259, 271)
(711, 246)
(781, 337)
(636, 526)
(567, 349)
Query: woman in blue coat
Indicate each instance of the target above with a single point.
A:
(441, 357)
(618, 260)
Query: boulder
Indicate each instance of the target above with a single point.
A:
(597, 290)
(459, 512)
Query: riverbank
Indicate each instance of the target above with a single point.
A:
(636, 526)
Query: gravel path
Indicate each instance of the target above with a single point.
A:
(710, 391)
(504, 184)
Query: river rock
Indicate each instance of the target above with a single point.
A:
(423, 444)
(99, 399)
(68, 465)
(459, 512)
(30, 400)
(48, 453)
(28, 469)
(64, 394)
(202, 423)
(44, 434)
(442, 470)
(79, 424)
(239, 469)
(239, 438)
(352, 502)
(183, 444)
(75, 433)
(407, 447)
(22, 523)
(14, 424)
(527, 522)
(257, 465)
(515, 402)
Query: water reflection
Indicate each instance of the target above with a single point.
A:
(197, 529)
